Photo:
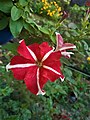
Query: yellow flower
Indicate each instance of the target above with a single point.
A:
(46, 3)
(58, 15)
(54, 2)
(44, 8)
(43, 0)
(51, 3)
(51, 8)
(88, 58)
(40, 12)
(59, 9)
(41, 8)
(51, 14)
(48, 11)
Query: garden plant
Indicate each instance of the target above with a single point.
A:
(44, 59)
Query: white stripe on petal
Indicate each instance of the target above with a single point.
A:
(32, 54)
(40, 92)
(20, 41)
(67, 53)
(19, 66)
(57, 33)
(51, 69)
(62, 79)
(69, 47)
(47, 55)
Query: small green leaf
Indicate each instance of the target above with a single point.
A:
(12, 117)
(15, 13)
(60, 89)
(11, 47)
(3, 22)
(27, 26)
(6, 91)
(26, 114)
(85, 45)
(67, 34)
(53, 38)
(44, 30)
(23, 2)
(72, 25)
(6, 5)
(67, 72)
(16, 27)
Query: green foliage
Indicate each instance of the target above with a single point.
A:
(16, 27)
(71, 97)
(6, 5)
(15, 13)
(23, 2)
(3, 21)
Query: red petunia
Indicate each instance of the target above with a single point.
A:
(36, 64)
(62, 47)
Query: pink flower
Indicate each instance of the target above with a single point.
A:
(61, 46)
(36, 64)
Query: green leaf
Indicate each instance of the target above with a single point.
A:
(26, 114)
(11, 47)
(52, 38)
(12, 117)
(72, 25)
(30, 21)
(6, 91)
(67, 34)
(28, 27)
(67, 72)
(4, 113)
(78, 70)
(16, 27)
(6, 5)
(3, 22)
(23, 2)
(43, 30)
(15, 13)
(85, 45)
(65, 61)
(60, 89)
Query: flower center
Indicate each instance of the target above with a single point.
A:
(39, 63)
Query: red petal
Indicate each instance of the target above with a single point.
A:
(48, 74)
(53, 57)
(59, 40)
(44, 48)
(35, 48)
(19, 60)
(53, 61)
(23, 51)
(67, 46)
(43, 79)
(19, 73)
(31, 81)
(40, 50)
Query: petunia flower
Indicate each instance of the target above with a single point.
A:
(62, 47)
(36, 64)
